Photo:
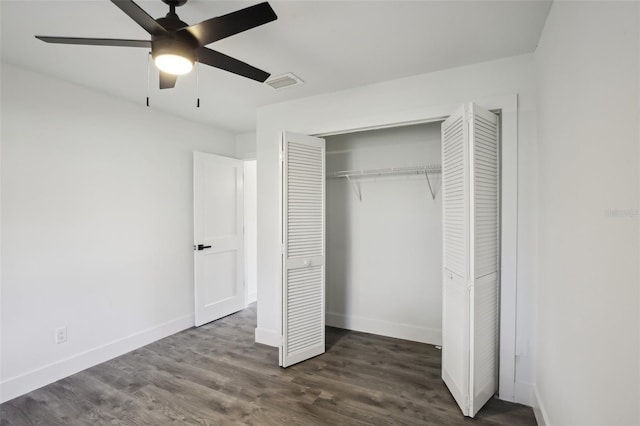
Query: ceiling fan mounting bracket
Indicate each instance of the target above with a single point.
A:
(175, 3)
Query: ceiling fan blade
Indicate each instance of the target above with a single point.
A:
(141, 17)
(233, 23)
(227, 63)
(167, 81)
(96, 41)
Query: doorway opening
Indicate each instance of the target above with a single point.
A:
(384, 232)
(470, 251)
(507, 106)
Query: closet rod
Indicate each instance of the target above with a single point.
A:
(424, 169)
(429, 168)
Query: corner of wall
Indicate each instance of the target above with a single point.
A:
(267, 337)
(538, 408)
(246, 146)
(523, 393)
(34, 379)
(139, 174)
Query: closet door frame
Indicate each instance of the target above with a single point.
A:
(507, 108)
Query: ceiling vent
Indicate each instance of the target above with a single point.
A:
(284, 80)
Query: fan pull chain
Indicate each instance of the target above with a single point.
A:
(148, 75)
(198, 85)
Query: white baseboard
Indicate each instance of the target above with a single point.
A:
(252, 297)
(267, 337)
(34, 379)
(538, 409)
(384, 328)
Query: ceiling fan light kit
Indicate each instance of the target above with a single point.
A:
(173, 64)
(176, 46)
(173, 56)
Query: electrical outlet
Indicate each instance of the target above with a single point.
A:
(61, 335)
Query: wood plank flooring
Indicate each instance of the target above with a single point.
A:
(218, 375)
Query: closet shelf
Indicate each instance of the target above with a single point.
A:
(429, 168)
(390, 171)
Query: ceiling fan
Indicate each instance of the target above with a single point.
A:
(176, 46)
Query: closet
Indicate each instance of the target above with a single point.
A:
(368, 250)
(384, 232)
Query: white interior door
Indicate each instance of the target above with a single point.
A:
(470, 166)
(303, 247)
(218, 236)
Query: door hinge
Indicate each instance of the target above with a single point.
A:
(280, 156)
(467, 404)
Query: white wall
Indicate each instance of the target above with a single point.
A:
(250, 230)
(246, 146)
(588, 299)
(363, 106)
(384, 253)
(97, 226)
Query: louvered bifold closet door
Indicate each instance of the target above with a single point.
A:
(303, 247)
(484, 259)
(455, 244)
(470, 176)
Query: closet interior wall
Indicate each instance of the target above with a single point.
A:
(384, 252)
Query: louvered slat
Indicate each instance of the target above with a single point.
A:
(485, 160)
(304, 313)
(453, 198)
(305, 201)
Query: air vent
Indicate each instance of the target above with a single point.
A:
(284, 80)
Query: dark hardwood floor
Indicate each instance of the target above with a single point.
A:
(216, 374)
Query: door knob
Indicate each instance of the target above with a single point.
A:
(202, 247)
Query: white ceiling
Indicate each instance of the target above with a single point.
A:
(331, 45)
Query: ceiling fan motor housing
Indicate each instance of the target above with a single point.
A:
(174, 42)
(168, 45)
(175, 3)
